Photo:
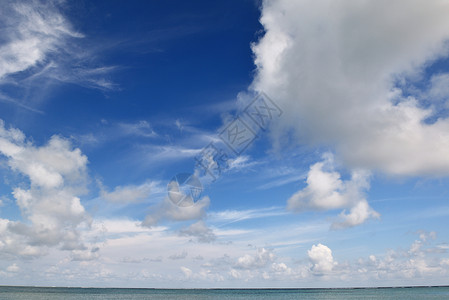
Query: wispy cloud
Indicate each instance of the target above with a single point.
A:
(39, 45)
(281, 181)
(232, 216)
(129, 193)
(8, 99)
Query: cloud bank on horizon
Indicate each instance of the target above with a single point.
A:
(354, 78)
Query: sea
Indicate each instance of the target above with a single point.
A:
(47, 293)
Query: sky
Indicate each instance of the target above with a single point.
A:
(190, 144)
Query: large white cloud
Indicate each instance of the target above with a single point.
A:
(339, 70)
(49, 201)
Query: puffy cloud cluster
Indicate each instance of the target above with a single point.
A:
(259, 260)
(397, 267)
(326, 190)
(49, 203)
(134, 254)
(321, 259)
(416, 262)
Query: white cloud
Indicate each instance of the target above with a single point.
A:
(357, 215)
(121, 227)
(173, 152)
(168, 210)
(128, 193)
(439, 88)
(425, 235)
(39, 29)
(326, 190)
(258, 260)
(50, 204)
(321, 258)
(414, 263)
(231, 216)
(281, 268)
(141, 128)
(335, 68)
(85, 255)
(39, 43)
(240, 162)
(200, 231)
(132, 255)
(186, 271)
(13, 268)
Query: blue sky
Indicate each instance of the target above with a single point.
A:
(102, 103)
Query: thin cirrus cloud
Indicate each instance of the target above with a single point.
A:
(129, 193)
(38, 44)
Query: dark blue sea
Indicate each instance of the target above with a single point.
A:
(47, 293)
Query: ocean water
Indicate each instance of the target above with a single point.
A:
(48, 293)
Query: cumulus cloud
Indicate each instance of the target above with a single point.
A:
(258, 260)
(326, 190)
(49, 203)
(357, 215)
(414, 262)
(340, 70)
(321, 258)
(199, 230)
(281, 268)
